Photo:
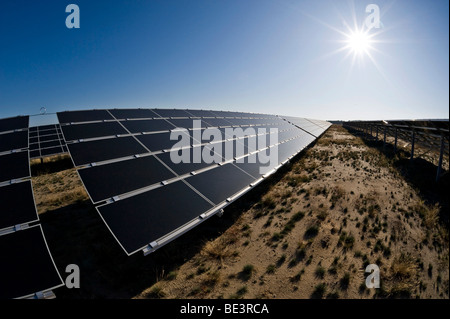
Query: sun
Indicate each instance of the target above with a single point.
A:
(359, 42)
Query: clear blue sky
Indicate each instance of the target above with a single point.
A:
(271, 56)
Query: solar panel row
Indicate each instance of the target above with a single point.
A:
(146, 196)
(26, 267)
(122, 114)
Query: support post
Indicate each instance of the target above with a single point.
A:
(441, 155)
(412, 145)
(395, 143)
(384, 139)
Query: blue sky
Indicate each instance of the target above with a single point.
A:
(270, 56)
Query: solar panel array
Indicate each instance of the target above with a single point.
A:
(26, 266)
(130, 165)
(46, 140)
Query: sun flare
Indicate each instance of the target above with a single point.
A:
(359, 42)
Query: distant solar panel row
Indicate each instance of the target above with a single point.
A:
(145, 197)
(26, 266)
(46, 141)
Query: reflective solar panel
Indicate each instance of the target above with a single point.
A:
(101, 150)
(46, 140)
(124, 176)
(137, 221)
(307, 125)
(171, 113)
(27, 266)
(92, 130)
(13, 141)
(159, 141)
(257, 164)
(17, 205)
(187, 123)
(14, 123)
(188, 165)
(201, 113)
(141, 126)
(122, 114)
(220, 183)
(83, 116)
(50, 144)
(14, 166)
(52, 151)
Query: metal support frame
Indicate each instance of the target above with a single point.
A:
(413, 138)
(395, 143)
(441, 155)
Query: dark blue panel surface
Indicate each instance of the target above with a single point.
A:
(102, 150)
(142, 219)
(14, 166)
(14, 123)
(17, 205)
(83, 116)
(27, 265)
(122, 177)
(220, 183)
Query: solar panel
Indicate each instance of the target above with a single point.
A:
(187, 123)
(122, 114)
(101, 150)
(13, 141)
(52, 151)
(17, 205)
(123, 177)
(220, 183)
(14, 123)
(46, 140)
(171, 113)
(92, 130)
(141, 126)
(137, 221)
(50, 144)
(252, 166)
(308, 125)
(83, 116)
(27, 266)
(216, 122)
(158, 141)
(151, 199)
(14, 166)
(189, 166)
(200, 113)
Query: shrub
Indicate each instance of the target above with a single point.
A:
(320, 272)
(312, 231)
(319, 291)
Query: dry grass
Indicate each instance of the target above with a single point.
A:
(59, 189)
